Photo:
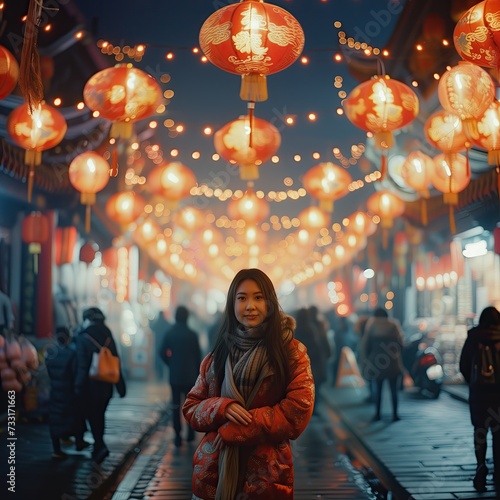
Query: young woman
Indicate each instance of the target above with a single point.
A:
(254, 393)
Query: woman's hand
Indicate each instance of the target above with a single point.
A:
(237, 414)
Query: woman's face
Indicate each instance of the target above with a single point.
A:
(250, 307)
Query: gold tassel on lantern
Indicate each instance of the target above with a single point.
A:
(30, 75)
(253, 88)
(32, 158)
(87, 199)
(423, 212)
(113, 171)
(452, 200)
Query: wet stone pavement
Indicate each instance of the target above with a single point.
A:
(40, 477)
(322, 468)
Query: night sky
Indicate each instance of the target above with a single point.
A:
(206, 95)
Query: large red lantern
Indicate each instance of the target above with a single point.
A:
(327, 182)
(35, 232)
(89, 174)
(451, 176)
(249, 142)
(9, 72)
(473, 40)
(252, 39)
(172, 181)
(122, 94)
(35, 131)
(249, 208)
(381, 105)
(125, 207)
(466, 90)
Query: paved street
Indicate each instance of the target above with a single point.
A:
(427, 455)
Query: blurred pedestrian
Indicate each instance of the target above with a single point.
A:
(6, 312)
(93, 395)
(64, 418)
(382, 344)
(255, 393)
(343, 336)
(322, 325)
(306, 332)
(180, 350)
(480, 366)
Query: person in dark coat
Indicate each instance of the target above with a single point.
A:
(380, 351)
(93, 395)
(181, 351)
(60, 362)
(484, 395)
(305, 332)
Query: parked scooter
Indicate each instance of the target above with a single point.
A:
(424, 365)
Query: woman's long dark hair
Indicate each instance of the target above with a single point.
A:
(276, 347)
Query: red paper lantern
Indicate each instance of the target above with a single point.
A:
(88, 251)
(451, 176)
(89, 174)
(381, 105)
(189, 218)
(488, 136)
(38, 131)
(313, 218)
(473, 40)
(35, 232)
(361, 224)
(65, 244)
(122, 94)
(249, 142)
(252, 39)
(387, 206)
(466, 90)
(249, 208)
(327, 182)
(125, 207)
(416, 172)
(9, 72)
(172, 181)
(445, 132)
(451, 173)
(491, 14)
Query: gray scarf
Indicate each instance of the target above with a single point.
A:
(246, 367)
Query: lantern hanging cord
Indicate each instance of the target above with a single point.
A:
(250, 107)
(40, 5)
(380, 67)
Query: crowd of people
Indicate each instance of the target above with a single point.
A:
(256, 383)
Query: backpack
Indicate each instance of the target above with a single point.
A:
(104, 365)
(485, 365)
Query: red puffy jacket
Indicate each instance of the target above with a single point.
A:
(265, 453)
